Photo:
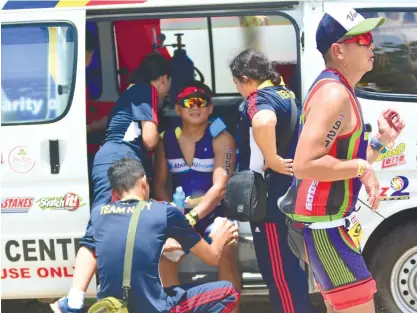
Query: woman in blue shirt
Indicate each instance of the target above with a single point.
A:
(265, 118)
(132, 127)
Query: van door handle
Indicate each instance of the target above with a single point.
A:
(54, 156)
(368, 128)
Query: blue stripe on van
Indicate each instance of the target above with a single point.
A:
(29, 4)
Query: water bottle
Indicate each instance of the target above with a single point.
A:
(179, 198)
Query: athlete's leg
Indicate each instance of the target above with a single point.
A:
(280, 268)
(168, 270)
(229, 269)
(216, 297)
(340, 270)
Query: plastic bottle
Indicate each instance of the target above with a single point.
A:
(179, 198)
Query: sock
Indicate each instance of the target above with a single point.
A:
(76, 298)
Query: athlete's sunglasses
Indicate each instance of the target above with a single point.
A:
(191, 102)
(362, 40)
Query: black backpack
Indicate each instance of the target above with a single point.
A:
(246, 192)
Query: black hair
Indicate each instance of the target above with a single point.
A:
(255, 65)
(152, 67)
(91, 43)
(124, 174)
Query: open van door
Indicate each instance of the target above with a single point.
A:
(45, 198)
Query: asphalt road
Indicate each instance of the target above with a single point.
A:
(250, 304)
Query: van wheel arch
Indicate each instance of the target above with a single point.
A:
(386, 226)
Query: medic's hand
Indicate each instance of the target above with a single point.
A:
(280, 165)
(225, 230)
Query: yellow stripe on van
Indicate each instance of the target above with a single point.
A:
(52, 52)
(72, 3)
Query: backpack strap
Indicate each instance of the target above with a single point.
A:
(287, 135)
(130, 244)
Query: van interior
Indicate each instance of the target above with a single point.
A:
(205, 46)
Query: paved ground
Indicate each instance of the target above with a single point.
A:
(249, 305)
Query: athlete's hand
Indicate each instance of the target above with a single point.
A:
(372, 189)
(280, 165)
(225, 230)
(390, 126)
(171, 245)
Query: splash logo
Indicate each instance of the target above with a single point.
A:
(398, 185)
(70, 202)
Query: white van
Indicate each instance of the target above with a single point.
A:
(45, 186)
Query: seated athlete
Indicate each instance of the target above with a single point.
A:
(200, 158)
(158, 221)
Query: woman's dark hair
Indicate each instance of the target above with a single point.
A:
(255, 65)
(152, 67)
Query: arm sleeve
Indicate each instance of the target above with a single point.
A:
(258, 102)
(180, 230)
(88, 240)
(145, 104)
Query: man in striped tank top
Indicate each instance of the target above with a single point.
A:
(332, 161)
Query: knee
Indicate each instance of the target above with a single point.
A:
(230, 251)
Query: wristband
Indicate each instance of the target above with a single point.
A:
(192, 218)
(377, 145)
(363, 168)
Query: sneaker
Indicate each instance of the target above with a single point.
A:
(61, 306)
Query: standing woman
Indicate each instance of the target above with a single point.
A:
(266, 116)
(132, 127)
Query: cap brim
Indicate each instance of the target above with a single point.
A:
(366, 26)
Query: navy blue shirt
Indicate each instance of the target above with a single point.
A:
(158, 221)
(276, 99)
(138, 103)
(124, 129)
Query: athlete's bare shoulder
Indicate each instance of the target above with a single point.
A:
(329, 98)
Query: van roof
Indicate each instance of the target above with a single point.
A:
(119, 4)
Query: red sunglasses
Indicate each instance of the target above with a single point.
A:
(362, 40)
(195, 101)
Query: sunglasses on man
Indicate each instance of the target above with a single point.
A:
(189, 103)
(362, 40)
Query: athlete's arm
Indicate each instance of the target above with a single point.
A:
(328, 115)
(161, 175)
(179, 229)
(224, 161)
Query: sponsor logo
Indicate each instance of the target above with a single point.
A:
(20, 159)
(393, 157)
(396, 190)
(310, 195)
(16, 204)
(70, 202)
(197, 165)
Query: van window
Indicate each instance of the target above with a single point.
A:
(37, 72)
(273, 35)
(227, 37)
(395, 65)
